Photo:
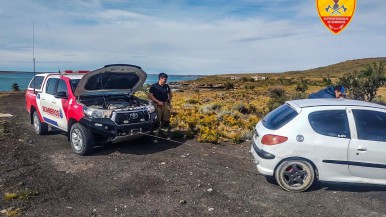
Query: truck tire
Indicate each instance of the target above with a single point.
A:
(40, 127)
(295, 175)
(81, 139)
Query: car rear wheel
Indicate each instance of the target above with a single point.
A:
(295, 175)
(81, 139)
(40, 127)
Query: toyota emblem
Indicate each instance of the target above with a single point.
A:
(133, 115)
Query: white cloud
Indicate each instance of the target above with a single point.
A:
(182, 38)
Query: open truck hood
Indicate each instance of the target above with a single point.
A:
(116, 78)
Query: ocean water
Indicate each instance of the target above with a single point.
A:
(23, 79)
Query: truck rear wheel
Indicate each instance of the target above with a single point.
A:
(40, 127)
(81, 139)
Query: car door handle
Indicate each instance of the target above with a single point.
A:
(361, 148)
(53, 102)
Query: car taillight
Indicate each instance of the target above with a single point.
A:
(271, 139)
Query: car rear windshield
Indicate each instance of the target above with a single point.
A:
(279, 117)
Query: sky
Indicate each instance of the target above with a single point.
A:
(183, 36)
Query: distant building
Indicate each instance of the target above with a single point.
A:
(234, 78)
(259, 78)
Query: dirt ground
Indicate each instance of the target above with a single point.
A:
(41, 176)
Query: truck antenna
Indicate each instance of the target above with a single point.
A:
(33, 51)
(53, 47)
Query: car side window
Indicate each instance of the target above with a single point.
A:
(37, 80)
(332, 123)
(371, 125)
(62, 87)
(51, 85)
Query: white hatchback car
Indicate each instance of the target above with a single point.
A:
(336, 140)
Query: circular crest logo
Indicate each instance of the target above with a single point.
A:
(336, 14)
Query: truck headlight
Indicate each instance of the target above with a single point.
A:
(151, 108)
(96, 113)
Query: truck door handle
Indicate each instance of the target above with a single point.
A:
(361, 148)
(53, 102)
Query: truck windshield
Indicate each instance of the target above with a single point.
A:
(74, 83)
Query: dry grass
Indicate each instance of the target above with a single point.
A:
(11, 212)
(20, 195)
(7, 93)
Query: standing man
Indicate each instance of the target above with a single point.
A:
(330, 92)
(161, 95)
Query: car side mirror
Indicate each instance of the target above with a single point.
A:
(61, 95)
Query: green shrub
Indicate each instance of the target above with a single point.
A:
(326, 81)
(249, 87)
(278, 98)
(364, 85)
(298, 95)
(15, 87)
(229, 85)
(244, 79)
(302, 86)
(276, 92)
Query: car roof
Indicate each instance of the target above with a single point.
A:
(303, 103)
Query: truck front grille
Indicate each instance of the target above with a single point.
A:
(130, 117)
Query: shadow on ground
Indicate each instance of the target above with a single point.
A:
(337, 186)
(349, 187)
(141, 146)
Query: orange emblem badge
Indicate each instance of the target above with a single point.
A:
(336, 14)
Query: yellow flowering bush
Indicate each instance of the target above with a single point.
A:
(218, 115)
(215, 116)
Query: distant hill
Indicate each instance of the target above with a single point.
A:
(333, 71)
(338, 69)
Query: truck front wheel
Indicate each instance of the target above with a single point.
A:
(82, 139)
(40, 127)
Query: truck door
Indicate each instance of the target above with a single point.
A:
(61, 104)
(49, 107)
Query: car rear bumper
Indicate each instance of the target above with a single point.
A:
(265, 162)
(261, 153)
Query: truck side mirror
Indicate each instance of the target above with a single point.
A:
(61, 95)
